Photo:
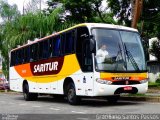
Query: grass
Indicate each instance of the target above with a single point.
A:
(138, 95)
(7, 91)
(153, 84)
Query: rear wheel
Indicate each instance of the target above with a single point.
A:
(72, 98)
(113, 99)
(27, 95)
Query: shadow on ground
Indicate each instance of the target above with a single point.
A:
(90, 102)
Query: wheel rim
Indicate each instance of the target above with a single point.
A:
(25, 95)
(25, 92)
(71, 94)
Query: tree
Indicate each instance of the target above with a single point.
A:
(81, 10)
(122, 10)
(150, 18)
(8, 12)
(27, 27)
(155, 50)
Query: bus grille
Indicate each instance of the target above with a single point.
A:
(131, 82)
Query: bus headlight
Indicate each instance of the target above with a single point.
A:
(144, 81)
(103, 81)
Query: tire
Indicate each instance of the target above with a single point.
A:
(72, 98)
(27, 95)
(113, 99)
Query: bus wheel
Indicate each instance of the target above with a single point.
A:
(27, 95)
(72, 98)
(113, 99)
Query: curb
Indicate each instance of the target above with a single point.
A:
(9, 92)
(127, 98)
(144, 99)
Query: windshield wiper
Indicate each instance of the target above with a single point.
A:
(129, 55)
(118, 58)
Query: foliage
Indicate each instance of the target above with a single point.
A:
(122, 10)
(153, 84)
(8, 12)
(158, 80)
(150, 18)
(27, 27)
(81, 10)
(155, 50)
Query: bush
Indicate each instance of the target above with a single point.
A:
(158, 80)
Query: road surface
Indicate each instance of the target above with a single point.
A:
(14, 106)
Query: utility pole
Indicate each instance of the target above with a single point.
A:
(137, 7)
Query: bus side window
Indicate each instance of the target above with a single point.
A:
(51, 47)
(22, 56)
(19, 56)
(69, 43)
(13, 58)
(26, 54)
(56, 46)
(16, 57)
(45, 49)
(33, 51)
(40, 53)
(63, 43)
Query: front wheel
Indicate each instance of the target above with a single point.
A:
(27, 95)
(72, 98)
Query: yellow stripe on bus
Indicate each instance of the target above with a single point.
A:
(70, 66)
(136, 76)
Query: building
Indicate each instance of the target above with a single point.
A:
(153, 65)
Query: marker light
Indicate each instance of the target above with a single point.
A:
(103, 81)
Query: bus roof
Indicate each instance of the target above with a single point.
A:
(89, 25)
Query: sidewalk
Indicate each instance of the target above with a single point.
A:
(153, 95)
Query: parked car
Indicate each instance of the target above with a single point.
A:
(4, 84)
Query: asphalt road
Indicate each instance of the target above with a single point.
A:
(14, 106)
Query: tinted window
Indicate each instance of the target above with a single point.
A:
(45, 49)
(69, 42)
(26, 54)
(33, 52)
(63, 42)
(13, 58)
(51, 47)
(19, 57)
(40, 50)
(56, 46)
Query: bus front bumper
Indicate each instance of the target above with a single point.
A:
(105, 90)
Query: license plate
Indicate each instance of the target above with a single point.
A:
(128, 88)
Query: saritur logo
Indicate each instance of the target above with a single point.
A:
(51, 66)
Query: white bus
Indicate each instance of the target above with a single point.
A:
(67, 63)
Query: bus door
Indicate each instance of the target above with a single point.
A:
(85, 60)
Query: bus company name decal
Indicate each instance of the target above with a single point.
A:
(47, 67)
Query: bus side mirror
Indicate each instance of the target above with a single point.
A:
(91, 43)
(92, 46)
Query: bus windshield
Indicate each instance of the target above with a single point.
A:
(118, 50)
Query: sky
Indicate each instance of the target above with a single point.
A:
(21, 3)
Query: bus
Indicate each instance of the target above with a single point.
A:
(66, 63)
